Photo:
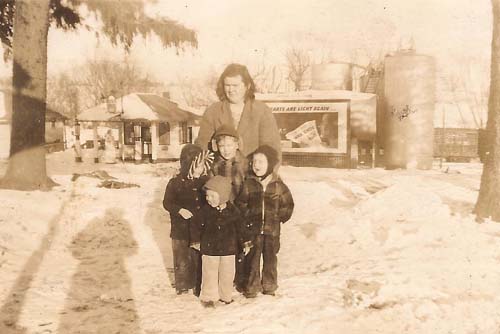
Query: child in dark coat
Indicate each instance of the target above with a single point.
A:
(183, 200)
(218, 235)
(265, 202)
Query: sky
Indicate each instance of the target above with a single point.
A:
(260, 31)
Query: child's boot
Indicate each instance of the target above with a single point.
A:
(209, 304)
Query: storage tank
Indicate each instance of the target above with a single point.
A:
(409, 91)
(331, 76)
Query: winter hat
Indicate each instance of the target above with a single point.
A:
(188, 154)
(226, 130)
(221, 185)
(271, 155)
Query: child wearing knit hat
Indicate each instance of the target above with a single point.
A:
(265, 202)
(219, 234)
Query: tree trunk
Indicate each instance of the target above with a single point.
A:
(27, 167)
(488, 202)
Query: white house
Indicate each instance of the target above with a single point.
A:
(144, 126)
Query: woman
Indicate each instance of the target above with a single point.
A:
(253, 120)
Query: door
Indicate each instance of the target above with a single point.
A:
(146, 142)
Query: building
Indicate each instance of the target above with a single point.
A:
(54, 126)
(140, 126)
(458, 132)
(456, 144)
(324, 128)
(55, 134)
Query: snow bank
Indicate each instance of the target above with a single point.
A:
(366, 251)
(28, 222)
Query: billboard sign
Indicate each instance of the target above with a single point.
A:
(312, 126)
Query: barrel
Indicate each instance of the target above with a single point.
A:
(409, 99)
(331, 76)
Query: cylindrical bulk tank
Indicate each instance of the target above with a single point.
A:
(331, 76)
(409, 91)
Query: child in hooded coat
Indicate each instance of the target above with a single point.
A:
(229, 161)
(265, 202)
(218, 235)
(183, 199)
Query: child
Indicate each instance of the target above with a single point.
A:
(229, 162)
(265, 202)
(218, 235)
(183, 199)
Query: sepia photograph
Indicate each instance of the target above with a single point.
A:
(254, 167)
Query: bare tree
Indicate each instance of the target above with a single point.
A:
(469, 91)
(88, 85)
(457, 96)
(197, 92)
(63, 95)
(268, 77)
(298, 62)
(476, 90)
(102, 78)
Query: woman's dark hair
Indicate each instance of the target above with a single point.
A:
(233, 70)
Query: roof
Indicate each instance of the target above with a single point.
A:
(313, 94)
(51, 116)
(97, 113)
(6, 108)
(140, 106)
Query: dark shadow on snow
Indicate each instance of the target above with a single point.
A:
(159, 221)
(12, 307)
(458, 207)
(100, 298)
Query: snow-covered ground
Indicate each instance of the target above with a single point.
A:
(366, 251)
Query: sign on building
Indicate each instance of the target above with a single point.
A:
(313, 127)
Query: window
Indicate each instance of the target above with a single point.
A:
(137, 132)
(146, 134)
(128, 129)
(183, 133)
(164, 133)
(190, 134)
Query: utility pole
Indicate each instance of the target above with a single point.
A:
(443, 140)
